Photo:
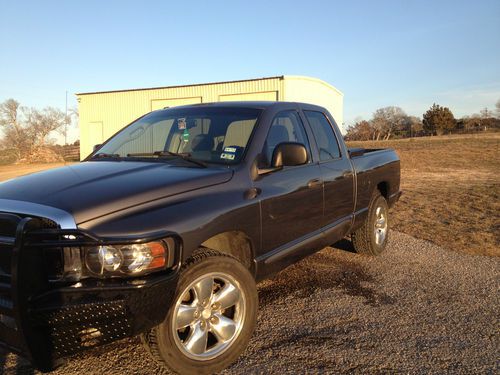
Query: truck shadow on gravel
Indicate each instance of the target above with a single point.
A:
(325, 270)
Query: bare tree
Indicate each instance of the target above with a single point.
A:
(72, 114)
(497, 106)
(362, 130)
(471, 123)
(387, 120)
(415, 126)
(486, 113)
(26, 130)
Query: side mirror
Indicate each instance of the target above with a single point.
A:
(288, 154)
(97, 147)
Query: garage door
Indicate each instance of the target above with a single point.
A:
(174, 102)
(265, 95)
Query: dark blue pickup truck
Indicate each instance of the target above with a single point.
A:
(165, 229)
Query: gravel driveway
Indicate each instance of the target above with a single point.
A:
(416, 309)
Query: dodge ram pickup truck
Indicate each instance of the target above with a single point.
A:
(164, 230)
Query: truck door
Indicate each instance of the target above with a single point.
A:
(292, 198)
(337, 176)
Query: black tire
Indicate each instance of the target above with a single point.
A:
(161, 343)
(364, 239)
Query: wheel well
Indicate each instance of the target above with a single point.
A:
(383, 187)
(235, 243)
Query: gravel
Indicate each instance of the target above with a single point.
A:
(418, 308)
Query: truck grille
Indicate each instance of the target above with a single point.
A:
(8, 225)
(13, 292)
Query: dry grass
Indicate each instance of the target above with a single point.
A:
(451, 190)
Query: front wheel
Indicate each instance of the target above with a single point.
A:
(212, 318)
(371, 238)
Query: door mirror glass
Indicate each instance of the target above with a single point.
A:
(288, 154)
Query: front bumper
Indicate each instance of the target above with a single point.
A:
(46, 322)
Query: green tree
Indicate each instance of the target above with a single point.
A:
(438, 120)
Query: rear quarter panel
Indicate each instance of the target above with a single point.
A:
(372, 169)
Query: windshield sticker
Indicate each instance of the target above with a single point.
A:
(230, 149)
(227, 156)
(185, 136)
(181, 123)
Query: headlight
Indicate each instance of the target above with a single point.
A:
(127, 260)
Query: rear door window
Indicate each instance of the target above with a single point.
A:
(325, 136)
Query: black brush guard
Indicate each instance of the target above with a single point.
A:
(45, 322)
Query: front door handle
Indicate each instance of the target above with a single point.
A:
(313, 183)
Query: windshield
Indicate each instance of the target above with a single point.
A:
(212, 135)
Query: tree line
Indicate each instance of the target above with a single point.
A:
(393, 122)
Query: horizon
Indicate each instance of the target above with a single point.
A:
(390, 54)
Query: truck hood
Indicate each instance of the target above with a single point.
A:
(92, 189)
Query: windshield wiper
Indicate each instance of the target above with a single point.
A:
(186, 157)
(105, 155)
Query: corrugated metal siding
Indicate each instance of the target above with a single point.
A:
(103, 114)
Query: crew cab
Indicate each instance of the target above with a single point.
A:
(164, 230)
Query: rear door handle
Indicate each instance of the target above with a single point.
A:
(314, 182)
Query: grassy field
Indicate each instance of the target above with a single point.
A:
(451, 190)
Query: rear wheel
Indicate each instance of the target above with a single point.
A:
(371, 238)
(212, 318)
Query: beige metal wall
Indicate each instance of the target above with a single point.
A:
(315, 91)
(103, 114)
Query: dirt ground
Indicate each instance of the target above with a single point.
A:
(14, 170)
(417, 309)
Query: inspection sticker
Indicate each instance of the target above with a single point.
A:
(227, 156)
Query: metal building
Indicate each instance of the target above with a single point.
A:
(104, 113)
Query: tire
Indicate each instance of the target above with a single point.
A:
(183, 350)
(371, 238)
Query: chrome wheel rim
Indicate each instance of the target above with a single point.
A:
(381, 225)
(208, 316)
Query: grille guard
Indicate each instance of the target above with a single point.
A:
(44, 324)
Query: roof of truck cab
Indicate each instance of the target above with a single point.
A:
(238, 104)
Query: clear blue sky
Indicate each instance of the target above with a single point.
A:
(379, 53)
